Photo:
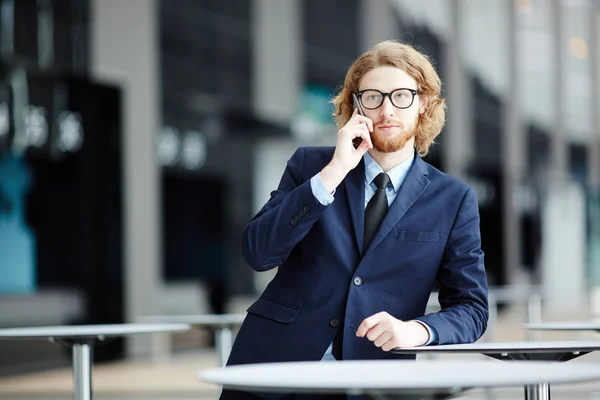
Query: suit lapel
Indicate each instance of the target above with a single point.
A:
(414, 185)
(355, 192)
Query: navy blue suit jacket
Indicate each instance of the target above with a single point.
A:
(430, 233)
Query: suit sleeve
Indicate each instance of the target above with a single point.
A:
(284, 220)
(463, 283)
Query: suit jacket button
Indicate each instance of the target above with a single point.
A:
(357, 281)
(334, 323)
(302, 213)
(297, 218)
(306, 208)
(293, 222)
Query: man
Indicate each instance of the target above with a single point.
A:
(353, 276)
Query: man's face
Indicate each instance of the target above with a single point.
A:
(393, 127)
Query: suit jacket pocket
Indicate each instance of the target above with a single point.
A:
(416, 236)
(274, 310)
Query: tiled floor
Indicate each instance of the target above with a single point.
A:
(174, 379)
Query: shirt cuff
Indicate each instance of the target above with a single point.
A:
(433, 336)
(320, 192)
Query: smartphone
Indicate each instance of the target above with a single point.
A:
(357, 141)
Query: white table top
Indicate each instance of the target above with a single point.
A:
(501, 294)
(507, 347)
(394, 376)
(88, 331)
(211, 320)
(514, 293)
(565, 326)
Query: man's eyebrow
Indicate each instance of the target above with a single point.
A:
(399, 87)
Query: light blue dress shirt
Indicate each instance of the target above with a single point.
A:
(372, 169)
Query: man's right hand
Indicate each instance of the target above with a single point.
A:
(346, 157)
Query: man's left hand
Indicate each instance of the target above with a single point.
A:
(388, 332)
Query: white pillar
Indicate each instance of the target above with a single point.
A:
(558, 153)
(513, 151)
(594, 46)
(563, 205)
(277, 71)
(594, 159)
(458, 141)
(277, 58)
(378, 23)
(124, 50)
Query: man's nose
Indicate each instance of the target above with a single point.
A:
(387, 108)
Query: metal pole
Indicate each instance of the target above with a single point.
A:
(540, 391)
(534, 314)
(223, 343)
(82, 372)
(493, 316)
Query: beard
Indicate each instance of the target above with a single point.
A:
(385, 144)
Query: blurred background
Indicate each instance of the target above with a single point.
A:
(139, 137)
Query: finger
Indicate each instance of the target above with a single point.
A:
(374, 333)
(365, 120)
(363, 133)
(356, 131)
(389, 345)
(363, 148)
(356, 118)
(368, 134)
(370, 322)
(384, 339)
(366, 325)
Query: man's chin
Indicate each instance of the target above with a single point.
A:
(390, 145)
(386, 148)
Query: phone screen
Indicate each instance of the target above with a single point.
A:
(357, 141)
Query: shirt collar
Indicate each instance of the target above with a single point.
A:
(396, 174)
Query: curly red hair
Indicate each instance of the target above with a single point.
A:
(414, 63)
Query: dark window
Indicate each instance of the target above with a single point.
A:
(578, 161)
(205, 56)
(58, 29)
(487, 123)
(330, 47)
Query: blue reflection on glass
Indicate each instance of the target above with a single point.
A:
(17, 242)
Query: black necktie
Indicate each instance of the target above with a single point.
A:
(376, 208)
(374, 214)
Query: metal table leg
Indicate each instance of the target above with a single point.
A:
(534, 314)
(540, 391)
(223, 343)
(82, 372)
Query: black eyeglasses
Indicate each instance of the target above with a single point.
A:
(400, 98)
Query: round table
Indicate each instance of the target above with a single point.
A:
(222, 324)
(517, 351)
(390, 379)
(81, 338)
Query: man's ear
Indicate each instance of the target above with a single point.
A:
(423, 103)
